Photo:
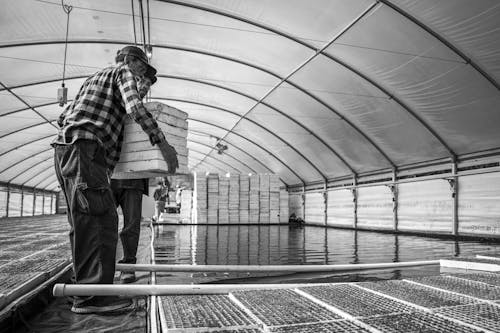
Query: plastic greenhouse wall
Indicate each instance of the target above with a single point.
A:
(16, 202)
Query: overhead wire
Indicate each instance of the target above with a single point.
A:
(133, 22)
(67, 9)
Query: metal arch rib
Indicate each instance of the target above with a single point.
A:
(226, 153)
(254, 143)
(301, 42)
(219, 161)
(253, 122)
(44, 179)
(443, 40)
(262, 69)
(27, 127)
(211, 165)
(31, 166)
(239, 149)
(26, 143)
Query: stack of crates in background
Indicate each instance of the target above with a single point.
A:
(200, 199)
(224, 200)
(264, 207)
(234, 198)
(284, 215)
(274, 199)
(186, 206)
(244, 199)
(139, 156)
(213, 198)
(253, 213)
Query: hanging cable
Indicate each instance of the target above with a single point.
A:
(133, 22)
(149, 27)
(62, 93)
(143, 27)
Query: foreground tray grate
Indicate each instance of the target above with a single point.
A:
(283, 307)
(190, 311)
(418, 295)
(417, 322)
(340, 326)
(355, 301)
(482, 315)
(467, 287)
(486, 277)
(8, 282)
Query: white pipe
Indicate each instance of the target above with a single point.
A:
(270, 268)
(61, 289)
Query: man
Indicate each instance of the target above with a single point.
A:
(161, 196)
(128, 195)
(86, 151)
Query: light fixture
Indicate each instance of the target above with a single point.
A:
(149, 51)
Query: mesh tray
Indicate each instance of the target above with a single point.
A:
(340, 326)
(482, 315)
(490, 278)
(471, 288)
(9, 255)
(283, 307)
(355, 301)
(419, 295)
(33, 265)
(203, 311)
(417, 322)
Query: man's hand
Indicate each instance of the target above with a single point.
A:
(170, 156)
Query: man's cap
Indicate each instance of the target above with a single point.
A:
(137, 52)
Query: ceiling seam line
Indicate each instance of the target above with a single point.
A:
(24, 128)
(41, 172)
(232, 157)
(302, 65)
(280, 33)
(254, 143)
(219, 161)
(250, 120)
(29, 106)
(239, 149)
(28, 169)
(25, 159)
(303, 90)
(311, 132)
(25, 144)
(468, 60)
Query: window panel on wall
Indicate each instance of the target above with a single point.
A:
(3, 201)
(15, 203)
(39, 204)
(28, 204)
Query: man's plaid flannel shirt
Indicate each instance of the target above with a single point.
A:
(99, 109)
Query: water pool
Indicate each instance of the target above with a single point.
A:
(281, 245)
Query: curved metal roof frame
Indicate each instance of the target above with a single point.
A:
(219, 161)
(249, 120)
(25, 159)
(254, 143)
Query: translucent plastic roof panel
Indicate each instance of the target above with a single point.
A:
(227, 72)
(9, 102)
(33, 174)
(471, 26)
(22, 163)
(42, 94)
(194, 28)
(27, 142)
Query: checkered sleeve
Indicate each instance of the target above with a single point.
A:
(134, 107)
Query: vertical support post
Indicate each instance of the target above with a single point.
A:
(354, 191)
(22, 201)
(303, 196)
(33, 211)
(454, 194)
(51, 203)
(325, 202)
(8, 200)
(43, 203)
(394, 190)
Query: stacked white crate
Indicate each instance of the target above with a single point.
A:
(139, 158)
(186, 206)
(200, 197)
(264, 208)
(213, 198)
(223, 200)
(234, 198)
(284, 206)
(244, 199)
(274, 198)
(253, 213)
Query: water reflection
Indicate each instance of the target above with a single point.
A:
(280, 245)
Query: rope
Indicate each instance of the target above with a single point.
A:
(67, 9)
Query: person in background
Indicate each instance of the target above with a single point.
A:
(160, 195)
(128, 195)
(178, 197)
(86, 150)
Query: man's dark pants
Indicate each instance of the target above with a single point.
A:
(130, 200)
(82, 173)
